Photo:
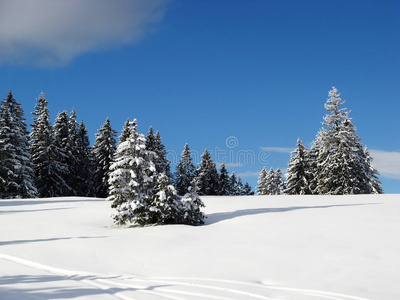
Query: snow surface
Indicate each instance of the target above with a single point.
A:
(251, 247)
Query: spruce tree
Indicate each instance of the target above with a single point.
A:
(341, 162)
(185, 172)
(297, 173)
(16, 168)
(64, 143)
(233, 185)
(279, 182)
(166, 207)
(153, 143)
(192, 204)
(224, 183)
(208, 175)
(261, 187)
(103, 151)
(270, 183)
(46, 156)
(374, 183)
(125, 131)
(247, 189)
(132, 180)
(84, 163)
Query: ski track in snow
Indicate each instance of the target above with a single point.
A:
(177, 288)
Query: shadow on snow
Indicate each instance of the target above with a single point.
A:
(219, 217)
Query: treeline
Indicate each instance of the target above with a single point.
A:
(336, 164)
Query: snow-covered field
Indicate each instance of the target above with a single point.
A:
(251, 247)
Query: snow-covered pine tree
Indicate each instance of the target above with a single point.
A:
(342, 167)
(224, 183)
(16, 167)
(240, 186)
(247, 189)
(64, 142)
(233, 185)
(132, 179)
(375, 184)
(192, 204)
(166, 206)
(208, 175)
(185, 172)
(311, 161)
(84, 163)
(46, 156)
(125, 131)
(103, 151)
(70, 145)
(297, 176)
(261, 187)
(270, 186)
(279, 182)
(153, 143)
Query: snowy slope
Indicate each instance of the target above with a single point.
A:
(254, 247)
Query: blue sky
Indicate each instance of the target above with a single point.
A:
(244, 79)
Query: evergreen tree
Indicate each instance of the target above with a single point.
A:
(16, 168)
(375, 184)
(192, 204)
(342, 167)
(247, 189)
(46, 156)
(270, 186)
(279, 182)
(311, 161)
(153, 143)
(166, 204)
(208, 175)
(297, 173)
(132, 180)
(185, 172)
(84, 178)
(233, 185)
(125, 131)
(65, 147)
(224, 183)
(103, 151)
(261, 188)
(240, 186)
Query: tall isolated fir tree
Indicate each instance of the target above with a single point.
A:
(46, 156)
(16, 168)
(185, 172)
(103, 151)
(341, 164)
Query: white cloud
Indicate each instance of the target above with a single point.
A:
(278, 149)
(48, 32)
(387, 163)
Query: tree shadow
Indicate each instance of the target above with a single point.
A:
(17, 242)
(31, 210)
(219, 217)
(38, 201)
(60, 287)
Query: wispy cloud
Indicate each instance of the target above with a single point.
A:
(387, 163)
(48, 32)
(278, 149)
